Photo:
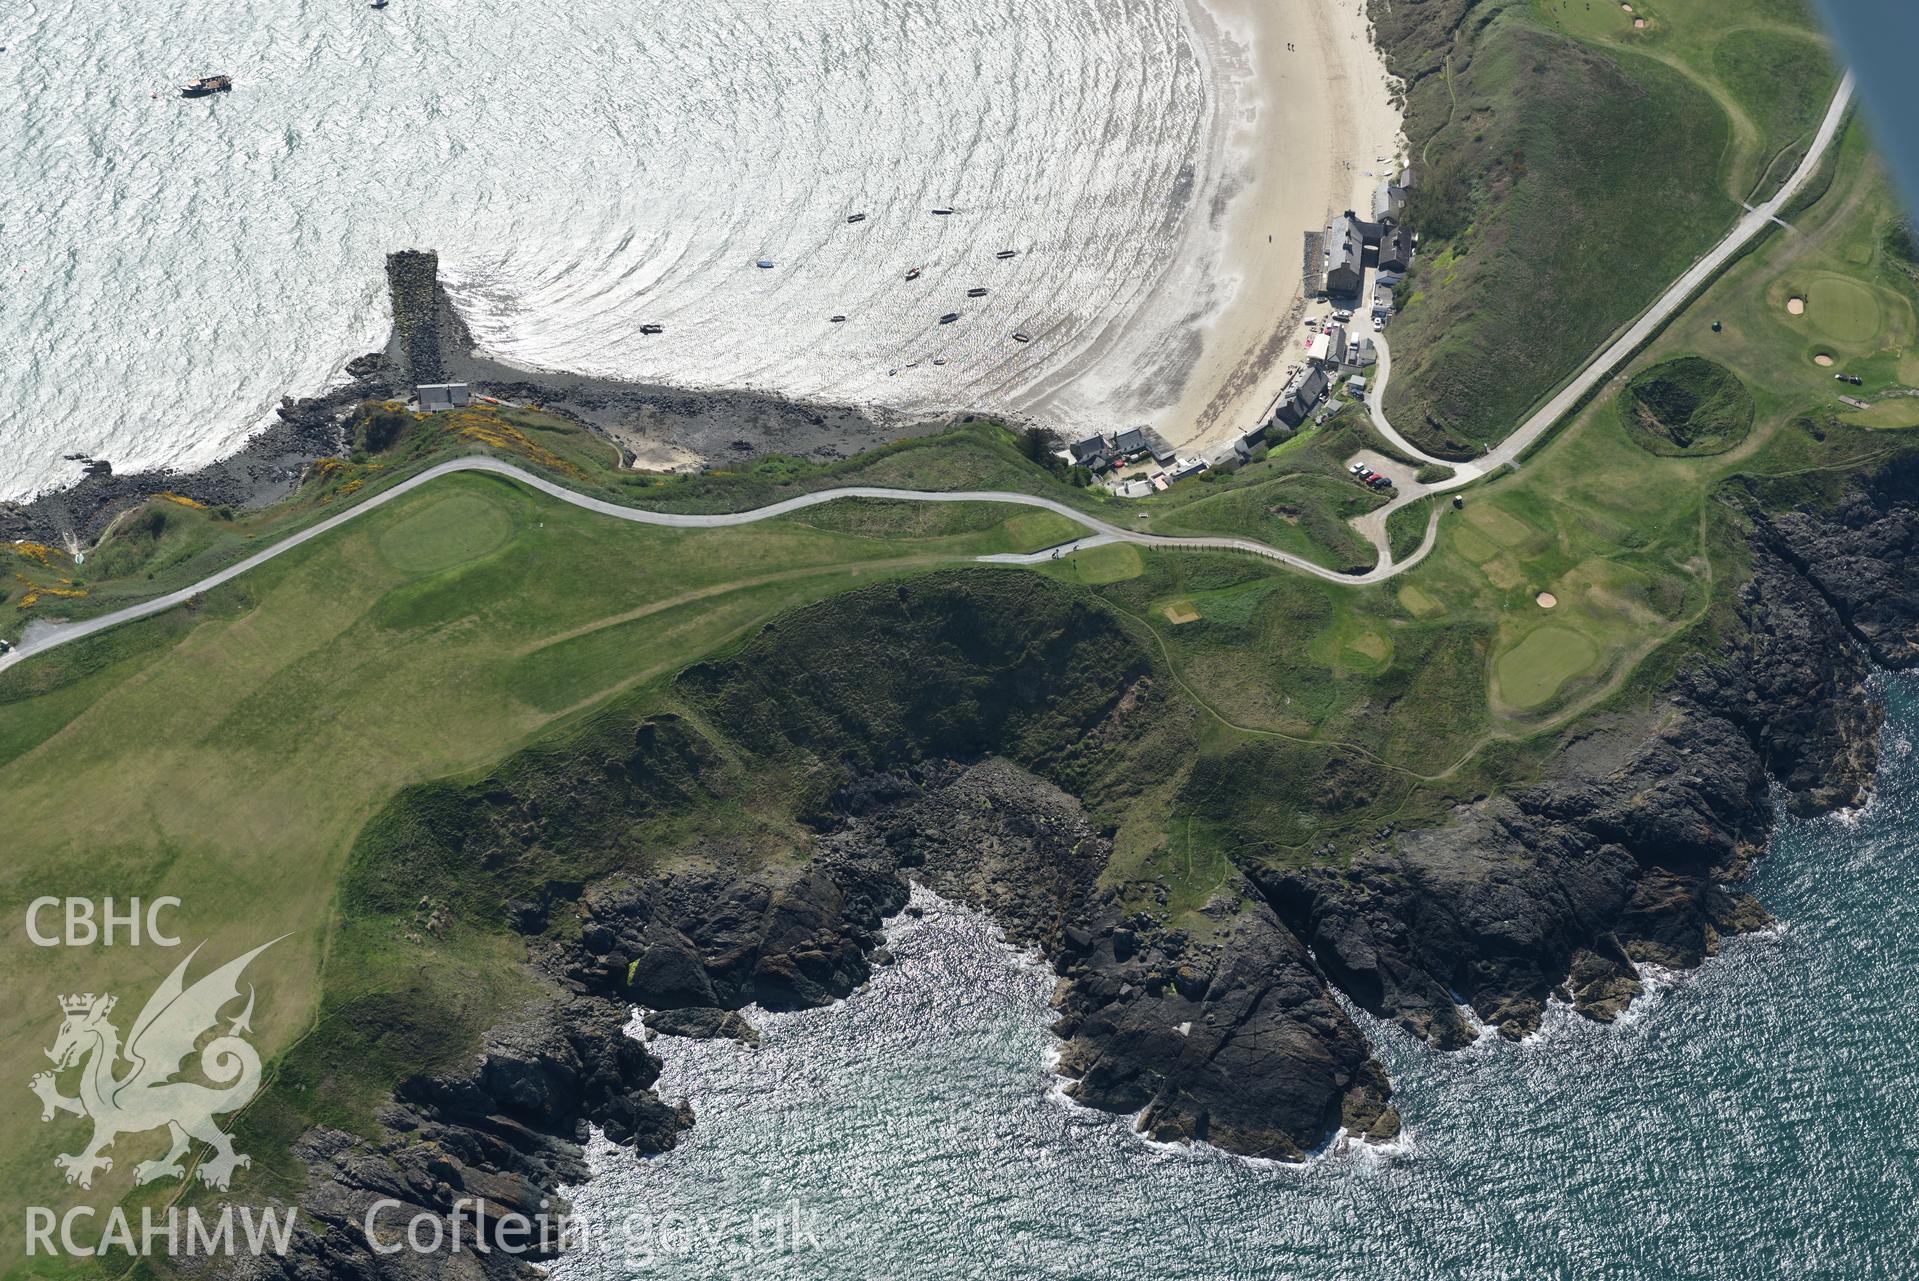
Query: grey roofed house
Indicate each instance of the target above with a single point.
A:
(1389, 201)
(438, 396)
(1396, 250)
(1335, 342)
(1298, 403)
(1131, 441)
(1345, 254)
(1093, 447)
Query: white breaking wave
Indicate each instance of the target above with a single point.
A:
(174, 267)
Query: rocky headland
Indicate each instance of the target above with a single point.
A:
(655, 427)
(1217, 1025)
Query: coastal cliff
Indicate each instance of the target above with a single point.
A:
(993, 718)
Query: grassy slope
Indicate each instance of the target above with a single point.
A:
(1579, 144)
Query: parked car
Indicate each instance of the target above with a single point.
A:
(1359, 469)
(1380, 482)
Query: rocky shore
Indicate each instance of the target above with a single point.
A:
(656, 428)
(1221, 1026)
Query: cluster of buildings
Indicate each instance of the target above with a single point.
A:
(1350, 238)
(1381, 246)
(1103, 455)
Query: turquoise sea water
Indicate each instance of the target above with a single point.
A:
(1750, 1119)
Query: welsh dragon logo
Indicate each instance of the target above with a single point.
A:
(145, 1096)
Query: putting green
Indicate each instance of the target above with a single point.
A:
(1471, 545)
(1546, 658)
(1843, 310)
(1502, 527)
(1368, 651)
(1418, 603)
(1108, 564)
(457, 528)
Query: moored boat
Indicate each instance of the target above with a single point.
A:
(914, 274)
(652, 329)
(943, 210)
(1021, 336)
(859, 217)
(949, 317)
(976, 292)
(1006, 253)
(838, 319)
(205, 85)
(764, 264)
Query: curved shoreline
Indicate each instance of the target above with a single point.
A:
(1373, 525)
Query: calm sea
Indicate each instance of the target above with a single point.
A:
(1753, 1119)
(169, 269)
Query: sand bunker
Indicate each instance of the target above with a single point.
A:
(1822, 360)
(1639, 22)
(1545, 600)
(1796, 306)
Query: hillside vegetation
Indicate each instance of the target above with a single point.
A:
(1572, 165)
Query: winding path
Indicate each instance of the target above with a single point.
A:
(41, 637)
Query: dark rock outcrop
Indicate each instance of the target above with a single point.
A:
(474, 1148)
(1627, 849)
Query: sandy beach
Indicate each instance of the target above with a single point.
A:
(1304, 125)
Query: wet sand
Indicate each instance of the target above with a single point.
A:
(1304, 107)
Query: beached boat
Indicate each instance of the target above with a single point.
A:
(764, 264)
(976, 292)
(949, 317)
(1021, 336)
(205, 85)
(914, 274)
(1006, 253)
(652, 329)
(856, 217)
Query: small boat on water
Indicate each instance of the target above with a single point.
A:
(839, 319)
(1020, 336)
(942, 211)
(652, 329)
(914, 274)
(1006, 253)
(205, 85)
(377, 4)
(976, 293)
(949, 317)
(939, 360)
(856, 217)
(764, 264)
